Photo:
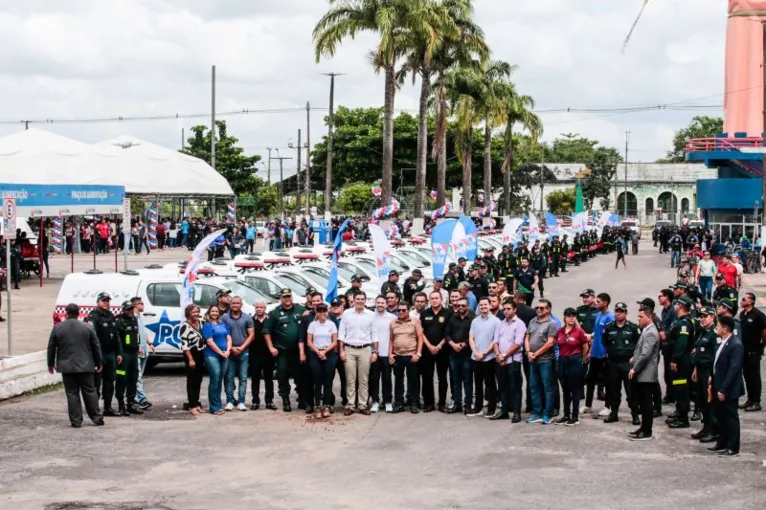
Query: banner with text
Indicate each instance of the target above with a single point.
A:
(441, 239)
(471, 236)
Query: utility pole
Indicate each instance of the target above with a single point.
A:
(542, 173)
(268, 169)
(298, 176)
(308, 160)
(281, 184)
(625, 201)
(330, 124)
(212, 120)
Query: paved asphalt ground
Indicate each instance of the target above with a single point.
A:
(265, 460)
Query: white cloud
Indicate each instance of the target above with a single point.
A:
(89, 58)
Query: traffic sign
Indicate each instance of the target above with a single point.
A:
(126, 218)
(9, 214)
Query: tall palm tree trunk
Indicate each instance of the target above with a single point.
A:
(388, 134)
(487, 163)
(441, 174)
(507, 177)
(420, 177)
(440, 143)
(467, 172)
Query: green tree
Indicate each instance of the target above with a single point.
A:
(266, 200)
(700, 127)
(356, 198)
(518, 110)
(394, 22)
(561, 202)
(230, 159)
(598, 183)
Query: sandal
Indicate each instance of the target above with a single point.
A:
(194, 411)
(219, 412)
(326, 412)
(318, 414)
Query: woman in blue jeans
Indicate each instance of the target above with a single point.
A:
(573, 348)
(218, 338)
(321, 339)
(704, 275)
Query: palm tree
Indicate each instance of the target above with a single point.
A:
(395, 22)
(517, 111)
(470, 50)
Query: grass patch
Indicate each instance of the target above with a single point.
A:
(33, 393)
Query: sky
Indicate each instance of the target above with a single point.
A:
(63, 63)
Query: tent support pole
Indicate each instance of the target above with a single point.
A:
(40, 245)
(93, 245)
(74, 239)
(117, 250)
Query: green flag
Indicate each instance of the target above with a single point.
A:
(579, 206)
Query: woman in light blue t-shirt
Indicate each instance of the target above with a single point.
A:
(218, 338)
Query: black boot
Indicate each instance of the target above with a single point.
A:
(121, 410)
(133, 409)
(612, 418)
(696, 416)
(110, 412)
(636, 419)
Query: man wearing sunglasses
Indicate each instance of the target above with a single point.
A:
(403, 354)
(538, 344)
(460, 367)
(753, 335)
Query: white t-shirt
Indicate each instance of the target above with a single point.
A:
(322, 333)
(382, 326)
(707, 267)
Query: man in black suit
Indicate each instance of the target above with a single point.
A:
(74, 352)
(727, 387)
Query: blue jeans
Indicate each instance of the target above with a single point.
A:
(541, 382)
(140, 395)
(237, 368)
(184, 239)
(675, 258)
(461, 371)
(706, 286)
(216, 367)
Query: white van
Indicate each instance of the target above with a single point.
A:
(161, 294)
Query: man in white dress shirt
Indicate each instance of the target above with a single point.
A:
(358, 349)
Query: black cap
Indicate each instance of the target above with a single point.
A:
(489, 248)
(647, 303)
(473, 267)
(725, 304)
(720, 276)
(103, 296)
(393, 272)
(309, 290)
(461, 259)
(417, 272)
(620, 307)
(285, 292)
(335, 302)
(684, 300)
(356, 278)
(680, 284)
(222, 292)
(438, 279)
(706, 310)
(452, 265)
(127, 305)
(569, 312)
(588, 292)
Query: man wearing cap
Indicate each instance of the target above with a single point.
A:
(392, 284)
(105, 324)
(356, 287)
(587, 311)
(724, 292)
(452, 278)
(676, 244)
(413, 285)
(525, 280)
(681, 341)
(438, 286)
(620, 339)
(491, 262)
(555, 252)
(224, 300)
(281, 331)
(539, 263)
(461, 268)
(668, 316)
(127, 369)
(479, 284)
(703, 358)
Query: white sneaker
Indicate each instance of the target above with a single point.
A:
(229, 407)
(375, 408)
(389, 408)
(241, 407)
(585, 410)
(604, 412)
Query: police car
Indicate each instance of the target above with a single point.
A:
(161, 294)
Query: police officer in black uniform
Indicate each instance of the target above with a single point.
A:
(681, 342)
(723, 292)
(452, 278)
(587, 311)
(539, 263)
(564, 254)
(479, 284)
(491, 262)
(461, 268)
(703, 358)
(105, 324)
(127, 371)
(555, 255)
(620, 339)
(392, 284)
(413, 285)
(356, 288)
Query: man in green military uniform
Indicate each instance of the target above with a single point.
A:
(461, 268)
(703, 358)
(127, 371)
(451, 279)
(555, 255)
(726, 309)
(491, 262)
(413, 285)
(281, 330)
(587, 311)
(723, 292)
(356, 288)
(681, 340)
(392, 285)
(564, 254)
(620, 339)
(104, 322)
(576, 249)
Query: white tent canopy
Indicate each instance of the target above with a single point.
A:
(35, 156)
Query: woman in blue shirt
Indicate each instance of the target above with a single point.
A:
(218, 338)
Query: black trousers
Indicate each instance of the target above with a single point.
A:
(484, 379)
(644, 397)
(618, 378)
(194, 378)
(402, 365)
(668, 376)
(262, 369)
(127, 378)
(657, 396)
(728, 422)
(74, 385)
(105, 379)
(681, 391)
(288, 364)
(595, 375)
(380, 377)
(427, 364)
(340, 368)
(509, 386)
(751, 370)
(704, 407)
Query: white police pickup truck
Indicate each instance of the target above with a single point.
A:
(161, 294)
